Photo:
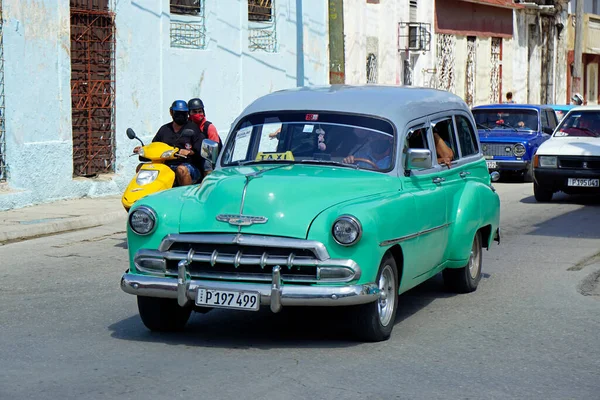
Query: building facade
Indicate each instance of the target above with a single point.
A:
(590, 83)
(78, 73)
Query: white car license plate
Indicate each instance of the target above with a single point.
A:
(228, 299)
(492, 164)
(584, 182)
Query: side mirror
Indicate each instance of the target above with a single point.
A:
(495, 176)
(187, 132)
(418, 159)
(131, 135)
(210, 150)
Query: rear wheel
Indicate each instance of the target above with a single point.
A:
(466, 279)
(542, 195)
(162, 315)
(374, 321)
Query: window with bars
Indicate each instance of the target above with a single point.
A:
(413, 10)
(188, 31)
(186, 7)
(260, 10)
(262, 32)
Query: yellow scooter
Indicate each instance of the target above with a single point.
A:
(151, 176)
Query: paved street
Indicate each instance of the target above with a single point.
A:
(531, 330)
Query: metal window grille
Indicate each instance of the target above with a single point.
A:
(371, 68)
(92, 86)
(2, 126)
(413, 10)
(471, 70)
(189, 33)
(496, 76)
(262, 32)
(445, 62)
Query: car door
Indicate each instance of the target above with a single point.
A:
(431, 237)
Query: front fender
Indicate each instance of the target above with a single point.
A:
(382, 217)
(479, 206)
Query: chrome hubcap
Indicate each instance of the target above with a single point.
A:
(385, 305)
(475, 258)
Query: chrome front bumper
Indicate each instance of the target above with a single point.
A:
(184, 289)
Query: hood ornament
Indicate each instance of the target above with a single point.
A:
(241, 220)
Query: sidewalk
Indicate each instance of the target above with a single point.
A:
(60, 216)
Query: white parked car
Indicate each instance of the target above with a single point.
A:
(570, 160)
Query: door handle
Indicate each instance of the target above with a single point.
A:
(464, 174)
(438, 180)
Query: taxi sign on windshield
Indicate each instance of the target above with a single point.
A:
(268, 156)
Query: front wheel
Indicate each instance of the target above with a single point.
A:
(541, 195)
(162, 315)
(466, 279)
(374, 321)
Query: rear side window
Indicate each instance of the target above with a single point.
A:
(544, 116)
(552, 120)
(466, 136)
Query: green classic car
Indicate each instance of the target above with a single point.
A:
(322, 196)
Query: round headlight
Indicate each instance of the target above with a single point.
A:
(142, 220)
(346, 230)
(519, 150)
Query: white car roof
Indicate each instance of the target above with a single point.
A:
(399, 104)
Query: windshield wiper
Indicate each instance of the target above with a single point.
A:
(487, 128)
(330, 162)
(507, 125)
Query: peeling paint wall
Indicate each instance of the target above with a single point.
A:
(149, 76)
(366, 24)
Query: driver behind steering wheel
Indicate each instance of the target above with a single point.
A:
(376, 148)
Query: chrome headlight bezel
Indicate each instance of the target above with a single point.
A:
(352, 222)
(547, 161)
(522, 150)
(149, 213)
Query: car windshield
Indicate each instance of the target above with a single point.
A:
(507, 118)
(581, 123)
(325, 138)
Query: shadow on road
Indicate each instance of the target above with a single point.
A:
(318, 327)
(563, 198)
(581, 223)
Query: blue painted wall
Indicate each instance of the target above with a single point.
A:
(150, 74)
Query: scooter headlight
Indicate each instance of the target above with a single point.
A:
(167, 154)
(145, 177)
(142, 220)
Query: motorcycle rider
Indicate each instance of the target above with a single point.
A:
(185, 135)
(198, 116)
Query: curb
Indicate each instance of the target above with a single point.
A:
(20, 233)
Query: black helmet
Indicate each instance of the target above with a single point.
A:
(195, 104)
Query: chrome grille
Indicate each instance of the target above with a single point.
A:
(575, 162)
(497, 149)
(249, 258)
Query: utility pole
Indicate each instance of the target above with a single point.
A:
(337, 67)
(577, 69)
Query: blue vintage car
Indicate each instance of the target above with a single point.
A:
(561, 110)
(510, 135)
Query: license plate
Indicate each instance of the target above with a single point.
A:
(228, 299)
(491, 164)
(584, 182)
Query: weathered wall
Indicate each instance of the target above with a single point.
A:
(149, 76)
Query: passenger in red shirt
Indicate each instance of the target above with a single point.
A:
(196, 107)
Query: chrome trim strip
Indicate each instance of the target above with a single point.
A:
(290, 295)
(247, 240)
(412, 235)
